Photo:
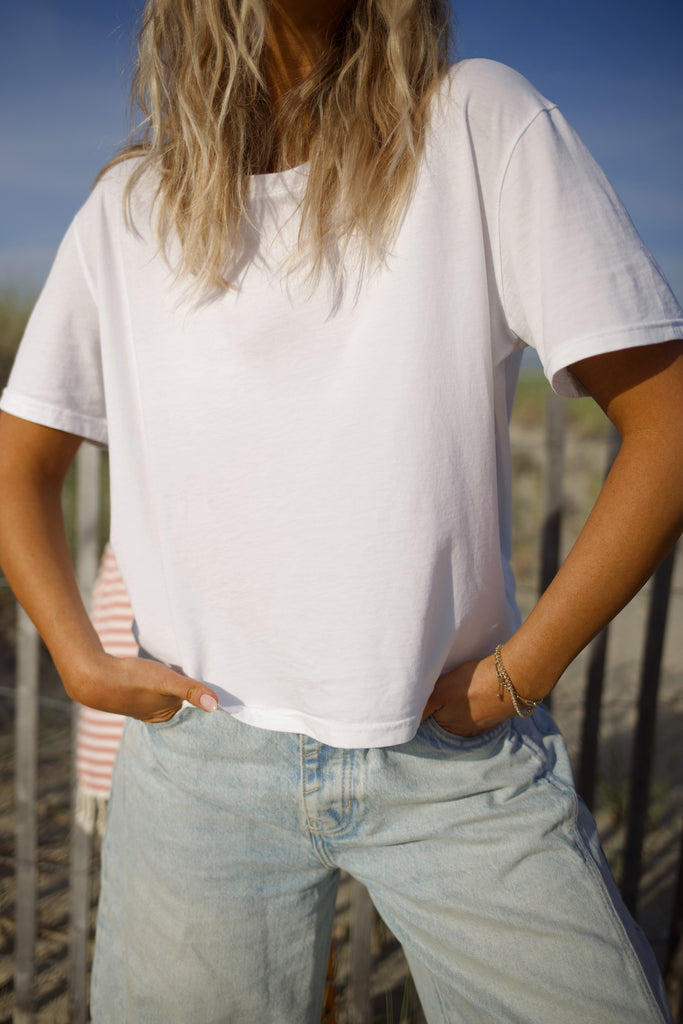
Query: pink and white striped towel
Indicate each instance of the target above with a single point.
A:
(99, 733)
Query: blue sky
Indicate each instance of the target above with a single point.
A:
(613, 67)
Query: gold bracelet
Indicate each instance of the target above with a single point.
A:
(522, 705)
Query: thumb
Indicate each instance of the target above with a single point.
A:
(430, 707)
(435, 700)
(186, 688)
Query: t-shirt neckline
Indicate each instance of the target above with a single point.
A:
(289, 180)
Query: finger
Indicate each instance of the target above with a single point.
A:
(431, 708)
(208, 701)
(186, 689)
(201, 697)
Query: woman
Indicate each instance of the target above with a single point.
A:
(295, 312)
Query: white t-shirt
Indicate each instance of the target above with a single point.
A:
(311, 493)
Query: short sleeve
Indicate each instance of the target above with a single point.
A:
(56, 379)
(577, 279)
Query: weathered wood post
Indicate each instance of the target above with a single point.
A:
(26, 797)
(643, 743)
(674, 982)
(360, 968)
(555, 422)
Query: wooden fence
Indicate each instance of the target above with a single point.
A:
(357, 1009)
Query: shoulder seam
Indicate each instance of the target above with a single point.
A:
(81, 256)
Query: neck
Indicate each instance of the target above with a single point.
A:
(297, 34)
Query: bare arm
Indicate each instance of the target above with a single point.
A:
(35, 558)
(635, 521)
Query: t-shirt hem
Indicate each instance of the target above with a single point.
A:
(89, 427)
(334, 734)
(563, 380)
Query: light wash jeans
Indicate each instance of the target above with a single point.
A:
(223, 850)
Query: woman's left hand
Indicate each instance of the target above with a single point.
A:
(465, 701)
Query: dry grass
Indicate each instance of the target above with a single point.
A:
(15, 307)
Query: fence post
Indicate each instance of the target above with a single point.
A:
(363, 915)
(592, 706)
(643, 743)
(555, 420)
(87, 557)
(675, 930)
(26, 796)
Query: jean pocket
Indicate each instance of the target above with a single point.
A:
(452, 739)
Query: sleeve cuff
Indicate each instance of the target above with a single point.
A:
(91, 428)
(563, 381)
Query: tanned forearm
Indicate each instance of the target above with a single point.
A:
(636, 519)
(35, 558)
(34, 553)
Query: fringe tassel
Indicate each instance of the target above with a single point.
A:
(91, 812)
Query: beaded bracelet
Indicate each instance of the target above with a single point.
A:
(522, 705)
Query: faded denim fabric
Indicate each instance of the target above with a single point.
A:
(223, 851)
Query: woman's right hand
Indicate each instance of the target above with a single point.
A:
(137, 687)
(35, 557)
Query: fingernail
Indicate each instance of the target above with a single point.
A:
(208, 702)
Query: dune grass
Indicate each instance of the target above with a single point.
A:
(15, 308)
(585, 419)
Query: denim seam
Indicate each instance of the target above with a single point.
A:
(442, 1005)
(617, 922)
(591, 866)
(303, 757)
(320, 848)
(347, 791)
(569, 791)
(316, 836)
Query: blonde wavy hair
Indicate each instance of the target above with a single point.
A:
(359, 120)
